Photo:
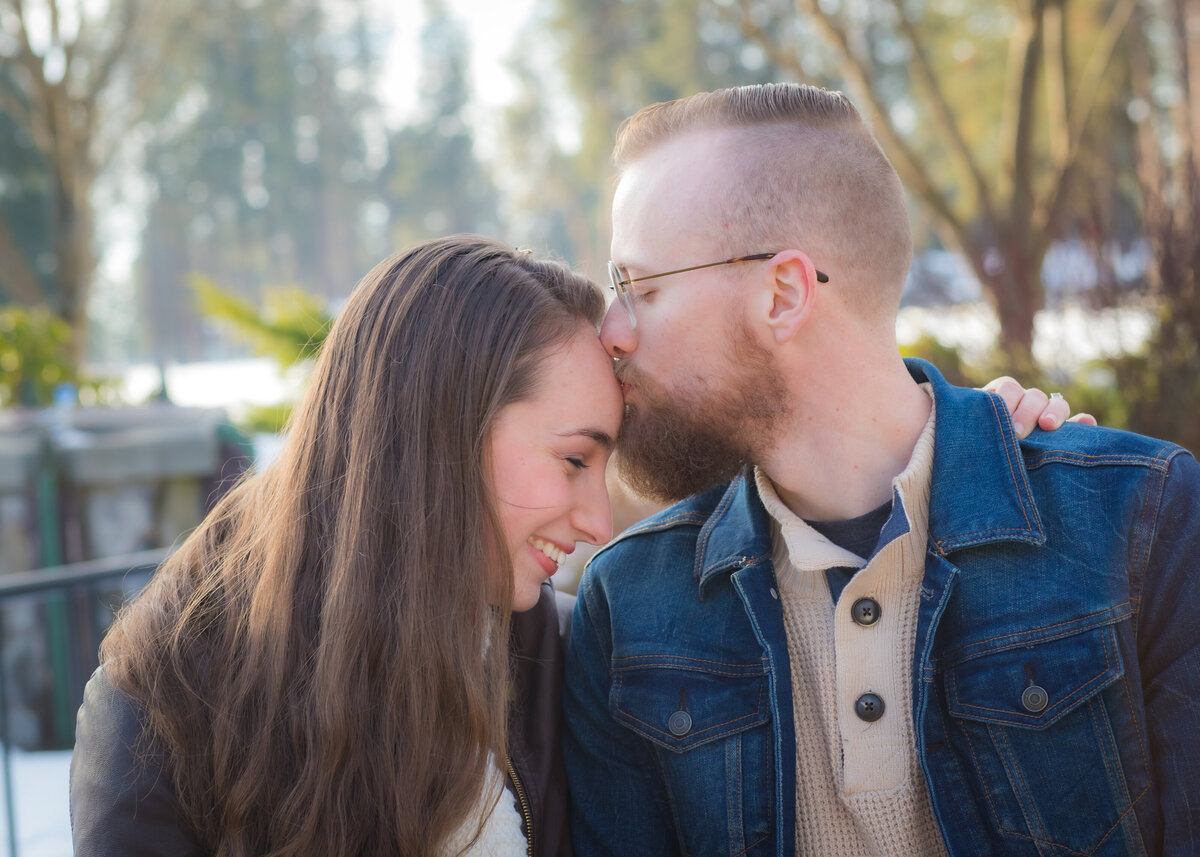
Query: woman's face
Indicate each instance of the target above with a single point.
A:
(547, 457)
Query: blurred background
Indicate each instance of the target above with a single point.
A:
(189, 190)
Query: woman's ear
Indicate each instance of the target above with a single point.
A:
(792, 294)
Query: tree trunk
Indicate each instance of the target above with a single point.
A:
(1016, 287)
(73, 231)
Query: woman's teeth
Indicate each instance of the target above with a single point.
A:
(548, 549)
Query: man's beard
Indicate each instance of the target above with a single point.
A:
(676, 444)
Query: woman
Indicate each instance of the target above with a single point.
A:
(325, 665)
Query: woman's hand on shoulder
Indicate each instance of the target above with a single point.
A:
(1030, 407)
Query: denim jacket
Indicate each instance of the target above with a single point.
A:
(1056, 679)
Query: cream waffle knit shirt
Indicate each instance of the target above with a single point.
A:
(859, 787)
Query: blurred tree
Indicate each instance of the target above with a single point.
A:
(552, 201)
(611, 57)
(985, 110)
(435, 181)
(74, 79)
(1162, 383)
(263, 169)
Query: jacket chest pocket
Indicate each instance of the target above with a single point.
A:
(1045, 728)
(708, 724)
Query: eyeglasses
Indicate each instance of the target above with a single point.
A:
(621, 283)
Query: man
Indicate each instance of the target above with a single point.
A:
(882, 623)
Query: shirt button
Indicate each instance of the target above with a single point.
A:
(865, 611)
(1035, 699)
(680, 723)
(869, 707)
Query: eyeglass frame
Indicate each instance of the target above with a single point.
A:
(625, 296)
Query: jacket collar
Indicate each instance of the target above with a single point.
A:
(979, 492)
(737, 533)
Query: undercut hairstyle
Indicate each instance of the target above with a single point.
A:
(324, 660)
(804, 173)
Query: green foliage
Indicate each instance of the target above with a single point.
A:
(266, 419)
(35, 355)
(291, 326)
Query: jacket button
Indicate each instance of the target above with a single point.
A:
(680, 723)
(865, 611)
(869, 707)
(1035, 699)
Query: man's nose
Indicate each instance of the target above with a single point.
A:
(617, 335)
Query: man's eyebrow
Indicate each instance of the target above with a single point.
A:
(599, 435)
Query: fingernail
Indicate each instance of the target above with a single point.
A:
(1019, 428)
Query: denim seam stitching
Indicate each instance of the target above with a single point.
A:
(1083, 690)
(754, 844)
(961, 774)
(670, 657)
(703, 732)
(1015, 778)
(1086, 459)
(983, 781)
(706, 534)
(1149, 525)
(1115, 777)
(731, 727)
(1107, 833)
(1141, 739)
(733, 766)
(1044, 841)
(1011, 467)
(1097, 622)
(655, 524)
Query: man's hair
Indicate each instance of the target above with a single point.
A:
(324, 661)
(806, 174)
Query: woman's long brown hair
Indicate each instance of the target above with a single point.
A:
(324, 659)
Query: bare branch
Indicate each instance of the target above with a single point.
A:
(55, 26)
(143, 82)
(1192, 55)
(911, 171)
(1056, 80)
(1027, 45)
(942, 112)
(1050, 211)
(118, 50)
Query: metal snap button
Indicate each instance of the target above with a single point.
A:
(680, 723)
(866, 612)
(1035, 698)
(869, 707)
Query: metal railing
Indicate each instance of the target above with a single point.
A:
(51, 624)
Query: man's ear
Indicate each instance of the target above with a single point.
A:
(793, 292)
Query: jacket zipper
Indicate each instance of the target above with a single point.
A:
(525, 813)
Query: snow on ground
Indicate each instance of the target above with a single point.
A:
(41, 806)
(1064, 339)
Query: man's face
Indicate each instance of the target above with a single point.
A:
(702, 396)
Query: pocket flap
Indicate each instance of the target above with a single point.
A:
(682, 703)
(1033, 686)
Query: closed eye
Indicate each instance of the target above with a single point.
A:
(577, 463)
